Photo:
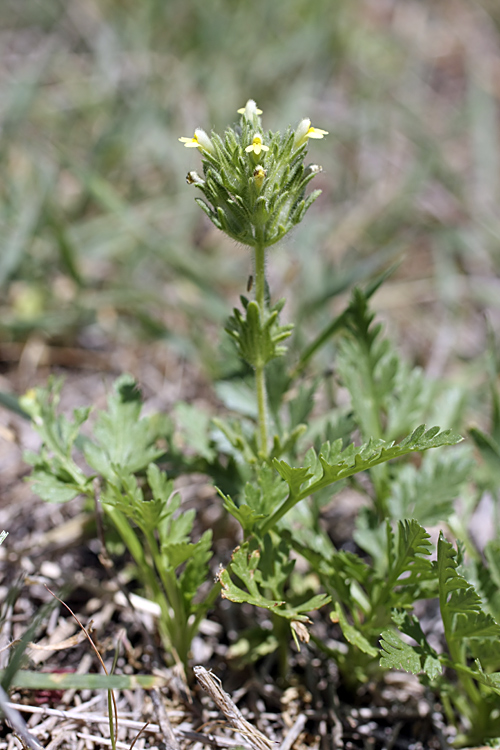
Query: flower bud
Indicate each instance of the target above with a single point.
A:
(259, 175)
(300, 133)
(312, 169)
(250, 110)
(193, 178)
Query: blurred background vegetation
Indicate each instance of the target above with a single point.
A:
(102, 244)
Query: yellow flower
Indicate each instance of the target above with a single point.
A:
(305, 131)
(250, 109)
(257, 146)
(199, 140)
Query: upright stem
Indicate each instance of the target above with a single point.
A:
(260, 375)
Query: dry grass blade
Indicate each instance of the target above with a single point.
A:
(141, 730)
(74, 640)
(213, 686)
(17, 722)
(88, 718)
(87, 634)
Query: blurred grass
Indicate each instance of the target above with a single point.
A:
(101, 240)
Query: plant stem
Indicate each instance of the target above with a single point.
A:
(372, 427)
(457, 652)
(260, 375)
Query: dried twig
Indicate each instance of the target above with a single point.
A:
(169, 737)
(90, 718)
(213, 686)
(294, 732)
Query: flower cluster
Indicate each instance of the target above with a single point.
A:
(254, 182)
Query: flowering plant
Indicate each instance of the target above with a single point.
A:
(254, 188)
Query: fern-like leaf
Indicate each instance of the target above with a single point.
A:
(461, 607)
(337, 464)
(397, 654)
(245, 565)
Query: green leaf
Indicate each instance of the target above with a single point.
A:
(492, 679)
(490, 453)
(301, 406)
(409, 625)
(461, 607)
(487, 445)
(413, 547)
(238, 396)
(53, 490)
(427, 493)
(238, 439)
(492, 554)
(246, 517)
(244, 565)
(337, 464)
(396, 654)
(266, 491)
(178, 553)
(175, 529)
(68, 681)
(275, 565)
(352, 634)
(383, 389)
(196, 571)
(124, 494)
(257, 338)
(194, 426)
(56, 475)
(122, 438)
(295, 477)
(371, 535)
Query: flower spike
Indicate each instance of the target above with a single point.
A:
(256, 146)
(254, 181)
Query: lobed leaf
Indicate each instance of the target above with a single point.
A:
(397, 654)
(244, 565)
(122, 438)
(340, 464)
(461, 607)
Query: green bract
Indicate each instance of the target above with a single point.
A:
(254, 182)
(258, 342)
